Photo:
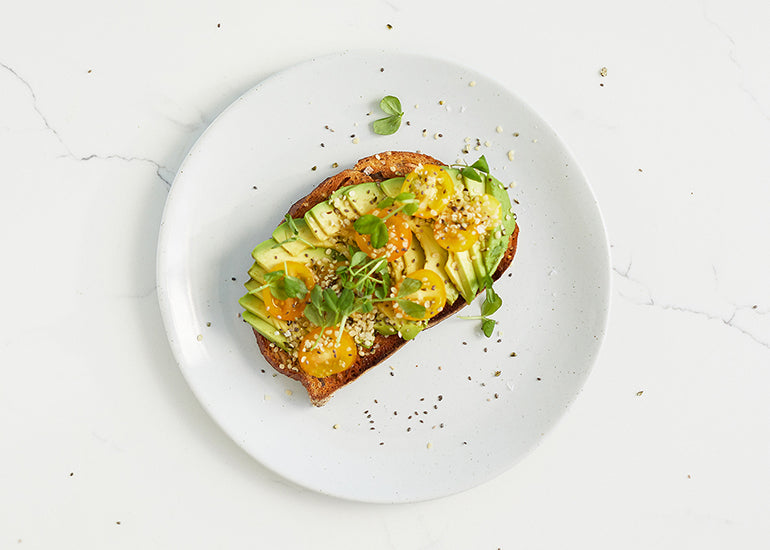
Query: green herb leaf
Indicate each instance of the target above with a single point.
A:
(488, 327)
(409, 286)
(367, 306)
(330, 301)
(380, 235)
(294, 287)
(409, 331)
(386, 126)
(314, 316)
(411, 309)
(366, 224)
(358, 257)
(345, 301)
(391, 105)
(492, 302)
(470, 173)
(405, 196)
(386, 202)
(411, 208)
(481, 164)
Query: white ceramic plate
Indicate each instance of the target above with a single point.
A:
(451, 409)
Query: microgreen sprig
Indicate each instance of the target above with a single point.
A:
(472, 171)
(491, 304)
(292, 225)
(375, 227)
(365, 281)
(282, 286)
(390, 124)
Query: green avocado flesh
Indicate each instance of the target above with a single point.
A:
(463, 273)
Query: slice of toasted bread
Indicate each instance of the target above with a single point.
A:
(374, 168)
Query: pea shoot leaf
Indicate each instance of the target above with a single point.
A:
(409, 286)
(391, 105)
(380, 236)
(411, 309)
(488, 327)
(481, 165)
(386, 126)
(470, 173)
(366, 224)
(492, 302)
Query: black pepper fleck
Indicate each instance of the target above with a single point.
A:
(513, 354)
(389, 26)
(382, 69)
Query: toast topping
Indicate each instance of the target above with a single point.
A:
(387, 250)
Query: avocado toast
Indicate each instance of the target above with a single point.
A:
(371, 257)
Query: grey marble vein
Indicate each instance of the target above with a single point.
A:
(163, 173)
(727, 321)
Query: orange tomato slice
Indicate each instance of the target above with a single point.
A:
(432, 186)
(324, 352)
(290, 308)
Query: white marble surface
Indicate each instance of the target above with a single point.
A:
(103, 444)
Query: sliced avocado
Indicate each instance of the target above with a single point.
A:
(477, 257)
(385, 329)
(459, 268)
(496, 188)
(315, 228)
(329, 220)
(257, 273)
(454, 173)
(392, 187)
(304, 237)
(265, 329)
(435, 258)
(414, 258)
(343, 206)
(267, 255)
(410, 329)
(498, 240)
(365, 196)
(254, 305)
(251, 284)
(475, 188)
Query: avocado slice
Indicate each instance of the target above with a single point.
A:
(265, 329)
(305, 237)
(435, 258)
(414, 258)
(459, 268)
(254, 305)
(267, 255)
(479, 266)
(343, 206)
(392, 187)
(475, 188)
(315, 228)
(364, 197)
(328, 220)
(251, 284)
(257, 273)
(498, 240)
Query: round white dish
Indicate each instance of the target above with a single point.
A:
(450, 410)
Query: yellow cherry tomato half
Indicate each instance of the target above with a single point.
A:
(324, 351)
(399, 237)
(459, 227)
(432, 294)
(290, 308)
(432, 186)
(452, 237)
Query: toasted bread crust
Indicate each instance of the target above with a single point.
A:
(374, 168)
